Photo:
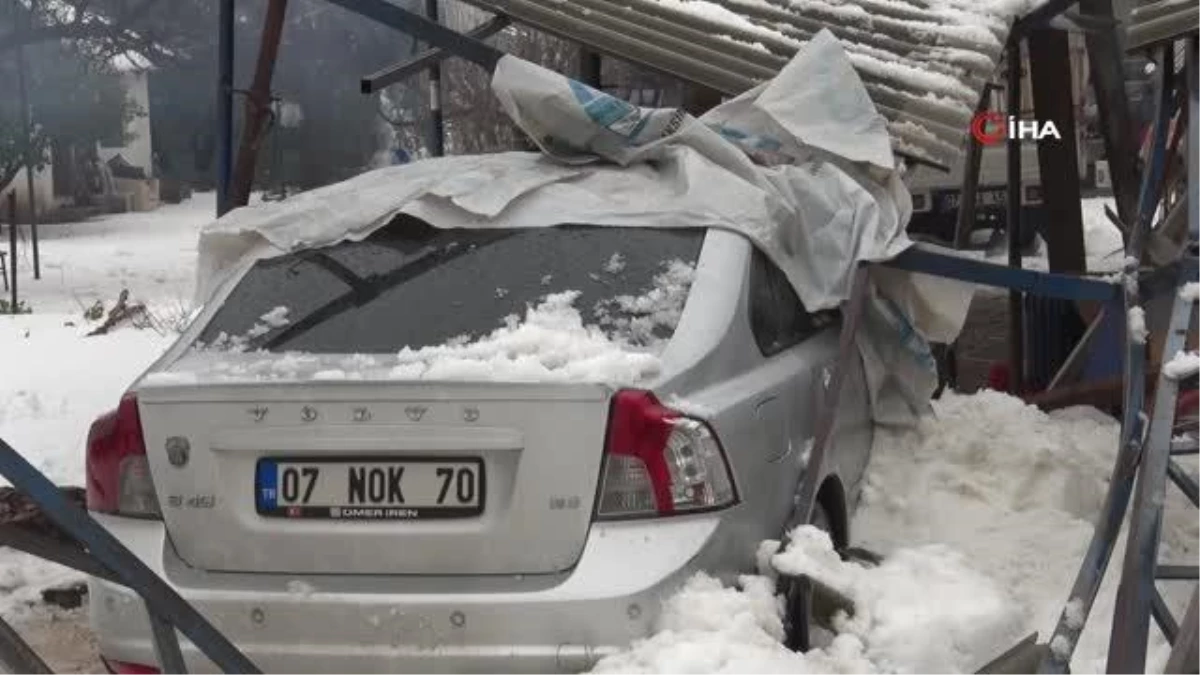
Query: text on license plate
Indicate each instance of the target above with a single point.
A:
(994, 198)
(405, 489)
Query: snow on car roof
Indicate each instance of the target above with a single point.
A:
(924, 62)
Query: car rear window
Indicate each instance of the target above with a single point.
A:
(413, 285)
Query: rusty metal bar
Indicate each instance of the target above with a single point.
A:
(258, 105)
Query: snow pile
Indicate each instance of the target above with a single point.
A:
(1101, 238)
(1183, 364)
(615, 264)
(915, 594)
(1137, 325)
(900, 607)
(551, 344)
(1018, 490)
(983, 513)
(710, 628)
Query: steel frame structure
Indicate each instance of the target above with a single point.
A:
(96, 552)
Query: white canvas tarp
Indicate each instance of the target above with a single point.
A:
(800, 165)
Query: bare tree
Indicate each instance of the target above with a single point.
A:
(153, 30)
(474, 121)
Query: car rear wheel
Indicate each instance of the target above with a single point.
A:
(801, 632)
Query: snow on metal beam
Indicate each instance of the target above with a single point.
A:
(924, 62)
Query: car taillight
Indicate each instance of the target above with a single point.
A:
(658, 462)
(118, 474)
(126, 668)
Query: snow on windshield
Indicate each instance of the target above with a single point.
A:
(551, 341)
(276, 318)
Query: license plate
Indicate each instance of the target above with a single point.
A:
(984, 198)
(370, 489)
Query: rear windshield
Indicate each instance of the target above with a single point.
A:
(413, 285)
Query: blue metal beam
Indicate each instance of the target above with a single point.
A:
(425, 30)
(411, 66)
(128, 568)
(1137, 597)
(925, 259)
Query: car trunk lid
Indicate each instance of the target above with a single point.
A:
(530, 454)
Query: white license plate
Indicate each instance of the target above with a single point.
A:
(987, 198)
(370, 489)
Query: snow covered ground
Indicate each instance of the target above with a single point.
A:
(55, 379)
(983, 512)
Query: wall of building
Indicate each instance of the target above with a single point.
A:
(43, 193)
(138, 150)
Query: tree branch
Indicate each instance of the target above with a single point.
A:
(84, 31)
(118, 31)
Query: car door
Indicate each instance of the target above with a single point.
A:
(800, 345)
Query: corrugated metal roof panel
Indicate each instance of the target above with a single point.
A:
(924, 62)
(1162, 20)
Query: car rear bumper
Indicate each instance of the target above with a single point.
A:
(288, 623)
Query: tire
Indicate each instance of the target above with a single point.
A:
(800, 631)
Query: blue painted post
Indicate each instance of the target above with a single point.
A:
(128, 569)
(1133, 426)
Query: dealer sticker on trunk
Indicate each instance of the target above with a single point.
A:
(370, 488)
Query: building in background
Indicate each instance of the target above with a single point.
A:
(130, 159)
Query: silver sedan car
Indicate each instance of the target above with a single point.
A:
(330, 519)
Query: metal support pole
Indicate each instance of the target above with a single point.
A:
(166, 643)
(224, 105)
(1184, 653)
(1136, 594)
(128, 568)
(12, 250)
(965, 224)
(930, 260)
(1058, 159)
(17, 655)
(1130, 450)
(1192, 73)
(44, 547)
(411, 66)
(1016, 322)
(27, 131)
(421, 28)
(1107, 65)
(258, 105)
(436, 131)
